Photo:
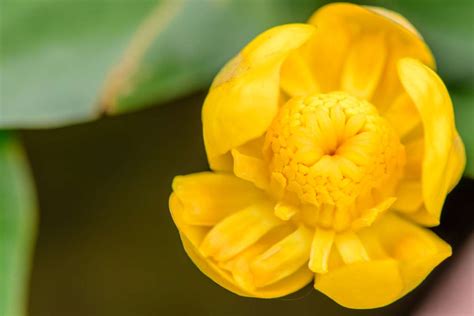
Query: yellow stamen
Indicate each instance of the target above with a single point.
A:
(331, 151)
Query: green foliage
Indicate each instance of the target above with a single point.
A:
(55, 56)
(17, 226)
(464, 104)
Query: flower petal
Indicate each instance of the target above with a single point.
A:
(409, 196)
(243, 99)
(209, 197)
(457, 161)
(443, 158)
(364, 66)
(225, 224)
(414, 158)
(285, 286)
(405, 41)
(362, 285)
(403, 115)
(400, 256)
(282, 259)
(370, 215)
(397, 18)
(418, 250)
(327, 50)
(350, 248)
(241, 267)
(320, 250)
(350, 37)
(194, 234)
(211, 269)
(238, 231)
(297, 78)
(249, 163)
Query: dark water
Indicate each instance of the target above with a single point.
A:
(107, 245)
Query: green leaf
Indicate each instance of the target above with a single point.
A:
(17, 226)
(463, 101)
(55, 56)
(68, 61)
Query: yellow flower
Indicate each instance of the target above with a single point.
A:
(331, 143)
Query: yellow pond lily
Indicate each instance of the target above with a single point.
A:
(331, 145)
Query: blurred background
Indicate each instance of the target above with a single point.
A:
(100, 107)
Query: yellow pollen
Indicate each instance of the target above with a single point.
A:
(334, 156)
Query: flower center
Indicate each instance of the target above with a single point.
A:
(334, 156)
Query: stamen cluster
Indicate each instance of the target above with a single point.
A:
(334, 153)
